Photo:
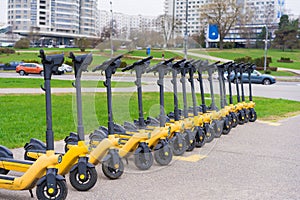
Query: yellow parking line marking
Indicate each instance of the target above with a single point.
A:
(269, 123)
(192, 158)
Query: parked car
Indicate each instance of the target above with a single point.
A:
(65, 68)
(29, 68)
(256, 77)
(10, 66)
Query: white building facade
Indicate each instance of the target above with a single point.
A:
(263, 11)
(54, 18)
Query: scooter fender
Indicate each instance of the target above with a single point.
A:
(180, 139)
(161, 144)
(114, 156)
(82, 165)
(35, 144)
(5, 152)
(199, 133)
(143, 147)
(226, 122)
(51, 178)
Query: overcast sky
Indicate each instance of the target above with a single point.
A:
(143, 7)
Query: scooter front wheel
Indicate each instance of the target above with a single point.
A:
(178, 144)
(86, 183)
(200, 138)
(164, 155)
(190, 140)
(111, 171)
(143, 160)
(209, 133)
(60, 193)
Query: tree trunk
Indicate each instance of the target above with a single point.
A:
(221, 44)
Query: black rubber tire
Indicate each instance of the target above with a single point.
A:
(240, 120)
(22, 73)
(164, 155)
(190, 146)
(252, 116)
(209, 134)
(266, 81)
(41, 191)
(200, 139)
(42, 73)
(218, 128)
(226, 129)
(79, 185)
(110, 171)
(178, 149)
(234, 121)
(141, 162)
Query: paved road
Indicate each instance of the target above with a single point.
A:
(255, 161)
(285, 90)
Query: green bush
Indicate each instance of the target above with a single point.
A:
(123, 64)
(31, 61)
(285, 58)
(23, 43)
(259, 62)
(69, 62)
(7, 51)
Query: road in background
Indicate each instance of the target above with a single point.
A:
(284, 90)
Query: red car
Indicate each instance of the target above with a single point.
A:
(30, 68)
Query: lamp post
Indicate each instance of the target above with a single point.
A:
(111, 31)
(186, 29)
(266, 49)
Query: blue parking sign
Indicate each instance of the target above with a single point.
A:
(213, 32)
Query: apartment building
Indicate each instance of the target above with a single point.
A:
(263, 11)
(125, 24)
(60, 19)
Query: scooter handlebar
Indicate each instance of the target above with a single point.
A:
(156, 67)
(51, 63)
(83, 61)
(107, 63)
(139, 62)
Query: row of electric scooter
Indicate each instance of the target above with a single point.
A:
(153, 138)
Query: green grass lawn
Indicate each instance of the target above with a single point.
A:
(280, 73)
(276, 54)
(36, 82)
(23, 116)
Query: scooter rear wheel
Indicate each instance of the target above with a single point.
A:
(87, 183)
(61, 192)
(164, 155)
(252, 115)
(111, 171)
(143, 160)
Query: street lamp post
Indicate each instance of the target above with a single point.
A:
(111, 31)
(266, 49)
(186, 29)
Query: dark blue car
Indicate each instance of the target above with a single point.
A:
(256, 77)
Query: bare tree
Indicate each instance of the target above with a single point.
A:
(245, 21)
(166, 25)
(223, 13)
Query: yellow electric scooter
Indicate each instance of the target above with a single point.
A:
(83, 175)
(130, 142)
(42, 172)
